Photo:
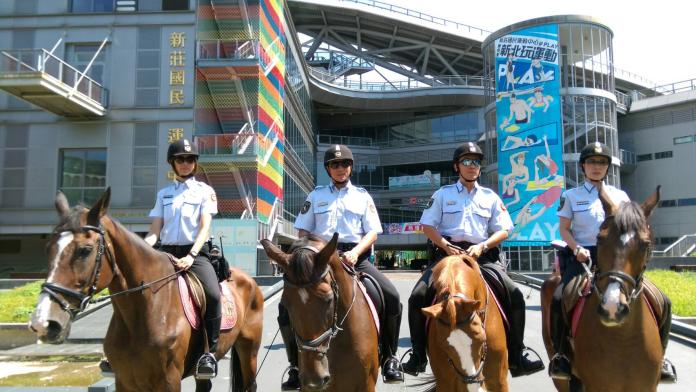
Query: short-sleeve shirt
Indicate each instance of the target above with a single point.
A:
(180, 205)
(349, 211)
(466, 216)
(583, 208)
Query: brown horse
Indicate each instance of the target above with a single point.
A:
(149, 343)
(466, 336)
(617, 344)
(335, 334)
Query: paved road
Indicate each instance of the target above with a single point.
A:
(683, 356)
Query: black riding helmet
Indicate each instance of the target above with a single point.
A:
(467, 148)
(338, 152)
(181, 147)
(595, 149)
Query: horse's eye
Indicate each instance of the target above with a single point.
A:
(84, 251)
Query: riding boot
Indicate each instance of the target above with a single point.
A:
(418, 360)
(207, 364)
(559, 367)
(519, 364)
(668, 373)
(293, 382)
(105, 368)
(389, 344)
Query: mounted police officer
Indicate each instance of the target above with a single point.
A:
(181, 221)
(350, 211)
(580, 216)
(467, 218)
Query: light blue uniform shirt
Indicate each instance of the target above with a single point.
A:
(584, 209)
(180, 205)
(466, 216)
(349, 211)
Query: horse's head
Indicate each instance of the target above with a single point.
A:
(623, 250)
(76, 252)
(310, 295)
(457, 318)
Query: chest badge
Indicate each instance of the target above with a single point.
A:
(451, 202)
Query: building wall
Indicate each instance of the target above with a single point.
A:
(664, 141)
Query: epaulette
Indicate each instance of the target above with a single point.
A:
(359, 189)
(316, 188)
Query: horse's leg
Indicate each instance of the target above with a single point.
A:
(249, 340)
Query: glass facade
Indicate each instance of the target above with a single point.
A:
(83, 174)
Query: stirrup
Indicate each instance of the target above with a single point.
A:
(668, 366)
(282, 377)
(559, 357)
(420, 367)
(398, 379)
(206, 359)
(105, 368)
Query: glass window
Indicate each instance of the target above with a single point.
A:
(144, 175)
(667, 203)
(83, 174)
(644, 157)
(79, 6)
(175, 5)
(663, 155)
(684, 139)
(687, 202)
(79, 56)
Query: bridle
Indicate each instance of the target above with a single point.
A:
(54, 289)
(475, 378)
(321, 344)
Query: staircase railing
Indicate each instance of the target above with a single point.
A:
(682, 247)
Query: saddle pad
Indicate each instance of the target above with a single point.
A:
(192, 309)
(373, 310)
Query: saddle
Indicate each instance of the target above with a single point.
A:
(372, 292)
(498, 292)
(193, 301)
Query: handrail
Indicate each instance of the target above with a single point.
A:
(41, 60)
(419, 15)
(227, 49)
(679, 248)
(224, 143)
(409, 84)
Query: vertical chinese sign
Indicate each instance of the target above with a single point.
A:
(177, 62)
(529, 128)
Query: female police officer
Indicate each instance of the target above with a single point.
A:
(463, 215)
(181, 219)
(580, 216)
(350, 211)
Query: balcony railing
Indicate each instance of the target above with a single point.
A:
(227, 144)
(28, 61)
(227, 49)
(441, 81)
(685, 245)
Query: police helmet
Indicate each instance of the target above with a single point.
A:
(467, 148)
(595, 149)
(181, 147)
(338, 152)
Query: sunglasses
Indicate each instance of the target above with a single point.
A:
(598, 162)
(187, 159)
(470, 162)
(336, 164)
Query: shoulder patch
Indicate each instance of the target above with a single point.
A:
(502, 206)
(305, 207)
(562, 203)
(213, 197)
(430, 203)
(372, 208)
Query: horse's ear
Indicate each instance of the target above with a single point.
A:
(99, 208)
(607, 204)
(325, 254)
(62, 205)
(650, 203)
(275, 254)
(433, 311)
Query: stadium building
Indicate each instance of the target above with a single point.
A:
(95, 90)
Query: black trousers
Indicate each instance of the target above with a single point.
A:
(206, 274)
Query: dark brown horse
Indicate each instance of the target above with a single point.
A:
(617, 344)
(336, 336)
(150, 344)
(466, 336)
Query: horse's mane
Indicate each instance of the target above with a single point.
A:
(301, 266)
(451, 280)
(71, 220)
(630, 218)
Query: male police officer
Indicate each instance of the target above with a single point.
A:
(350, 211)
(458, 219)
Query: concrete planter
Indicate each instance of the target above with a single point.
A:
(14, 335)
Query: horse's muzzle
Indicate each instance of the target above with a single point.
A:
(50, 323)
(315, 385)
(613, 307)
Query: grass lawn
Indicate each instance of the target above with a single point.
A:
(17, 304)
(680, 287)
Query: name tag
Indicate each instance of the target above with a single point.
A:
(167, 196)
(322, 203)
(583, 203)
(451, 202)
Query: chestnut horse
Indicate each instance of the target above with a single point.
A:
(617, 343)
(336, 336)
(149, 343)
(466, 337)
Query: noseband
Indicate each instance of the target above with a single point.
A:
(321, 344)
(53, 289)
(475, 378)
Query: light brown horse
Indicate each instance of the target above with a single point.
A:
(617, 344)
(335, 333)
(466, 337)
(149, 343)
